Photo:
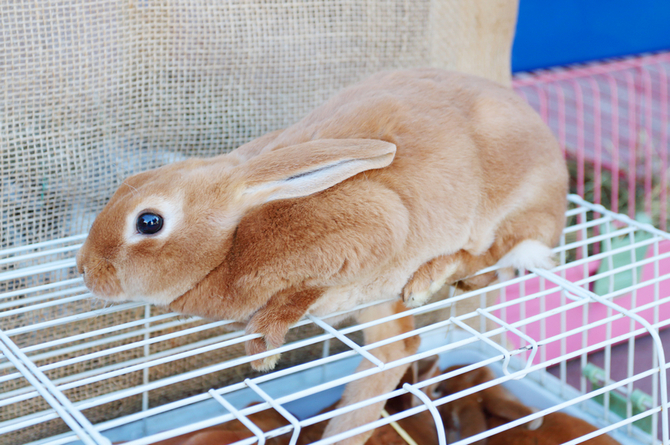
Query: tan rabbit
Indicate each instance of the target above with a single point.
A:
(420, 427)
(495, 406)
(392, 188)
(234, 431)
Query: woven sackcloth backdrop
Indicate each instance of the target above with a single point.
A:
(94, 91)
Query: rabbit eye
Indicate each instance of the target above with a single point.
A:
(149, 223)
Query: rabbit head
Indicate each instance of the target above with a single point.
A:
(166, 229)
(470, 415)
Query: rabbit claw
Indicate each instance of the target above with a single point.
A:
(258, 346)
(421, 287)
(429, 279)
(272, 337)
(416, 291)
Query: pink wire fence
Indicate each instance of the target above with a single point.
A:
(611, 119)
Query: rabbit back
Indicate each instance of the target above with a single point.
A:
(474, 165)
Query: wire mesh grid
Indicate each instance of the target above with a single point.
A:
(549, 330)
(612, 120)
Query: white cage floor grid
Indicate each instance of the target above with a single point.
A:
(612, 286)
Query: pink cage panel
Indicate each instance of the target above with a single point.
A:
(611, 119)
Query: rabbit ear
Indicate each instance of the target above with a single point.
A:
(429, 367)
(471, 420)
(304, 169)
(499, 402)
(404, 401)
(418, 371)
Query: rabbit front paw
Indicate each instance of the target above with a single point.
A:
(417, 290)
(272, 336)
(258, 346)
(274, 320)
(427, 280)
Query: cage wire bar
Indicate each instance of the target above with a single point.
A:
(611, 118)
(531, 343)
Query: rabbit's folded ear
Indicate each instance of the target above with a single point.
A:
(429, 367)
(308, 168)
(501, 403)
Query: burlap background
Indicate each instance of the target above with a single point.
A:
(93, 91)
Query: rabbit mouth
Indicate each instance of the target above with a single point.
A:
(107, 291)
(103, 283)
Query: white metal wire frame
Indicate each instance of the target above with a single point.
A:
(525, 356)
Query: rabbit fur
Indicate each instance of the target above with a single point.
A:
(495, 406)
(396, 186)
(420, 427)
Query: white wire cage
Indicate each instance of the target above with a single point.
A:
(571, 339)
(585, 337)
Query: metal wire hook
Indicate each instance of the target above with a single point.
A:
(439, 426)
